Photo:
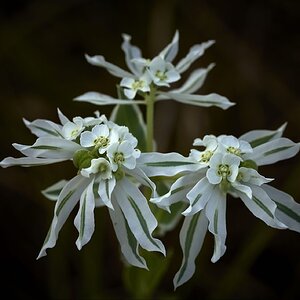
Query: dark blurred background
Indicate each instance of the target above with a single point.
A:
(43, 67)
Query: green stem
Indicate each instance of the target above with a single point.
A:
(150, 99)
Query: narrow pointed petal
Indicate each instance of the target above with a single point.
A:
(102, 99)
(128, 242)
(99, 61)
(242, 188)
(42, 127)
(84, 220)
(259, 137)
(131, 52)
(165, 164)
(273, 151)
(139, 175)
(195, 52)
(288, 210)
(66, 202)
(62, 118)
(177, 192)
(49, 147)
(52, 192)
(106, 187)
(140, 219)
(191, 236)
(28, 161)
(216, 214)
(171, 50)
(193, 83)
(198, 196)
(262, 206)
(198, 100)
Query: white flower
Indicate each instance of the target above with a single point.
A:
(210, 143)
(162, 72)
(132, 86)
(107, 175)
(71, 130)
(100, 137)
(147, 75)
(122, 154)
(223, 167)
(231, 169)
(98, 166)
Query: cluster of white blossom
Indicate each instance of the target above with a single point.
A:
(226, 165)
(105, 155)
(150, 75)
(110, 168)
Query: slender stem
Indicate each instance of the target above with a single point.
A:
(150, 99)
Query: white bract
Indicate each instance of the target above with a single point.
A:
(147, 76)
(105, 156)
(227, 165)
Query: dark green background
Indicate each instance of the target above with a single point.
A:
(43, 67)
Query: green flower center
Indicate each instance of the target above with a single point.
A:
(205, 157)
(161, 75)
(119, 158)
(138, 84)
(101, 142)
(224, 170)
(234, 150)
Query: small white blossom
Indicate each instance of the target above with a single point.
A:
(98, 166)
(105, 159)
(162, 72)
(230, 167)
(132, 86)
(100, 137)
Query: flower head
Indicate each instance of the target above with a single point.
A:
(227, 165)
(147, 76)
(105, 156)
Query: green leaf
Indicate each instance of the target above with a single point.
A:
(131, 116)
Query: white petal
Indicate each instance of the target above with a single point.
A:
(194, 53)
(177, 192)
(67, 200)
(194, 81)
(101, 99)
(87, 139)
(106, 187)
(259, 137)
(213, 177)
(84, 220)
(216, 214)
(191, 237)
(49, 147)
(42, 127)
(140, 219)
(170, 51)
(166, 164)
(128, 243)
(262, 207)
(28, 161)
(288, 210)
(273, 151)
(198, 100)
(198, 196)
(131, 52)
(242, 188)
(99, 60)
(52, 192)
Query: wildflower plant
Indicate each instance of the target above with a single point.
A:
(113, 164)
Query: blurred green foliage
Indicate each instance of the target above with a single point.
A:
(43, 67)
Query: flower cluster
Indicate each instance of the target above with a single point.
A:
(226, 165)
(110, 168)
(105, 156)
(150, 75)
